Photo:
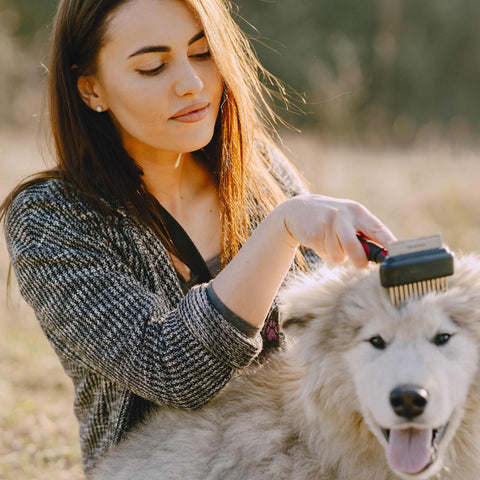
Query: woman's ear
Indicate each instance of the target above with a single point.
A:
(90, 92)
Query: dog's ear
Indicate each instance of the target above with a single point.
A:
(297, 323)
(467, 272)
(310, 296)
(463, 294)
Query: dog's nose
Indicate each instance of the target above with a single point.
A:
(408, 401)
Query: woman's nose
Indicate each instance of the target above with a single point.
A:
(188, 82)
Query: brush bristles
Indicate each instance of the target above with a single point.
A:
(401, 293)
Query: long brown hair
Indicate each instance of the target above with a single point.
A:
(89, 151)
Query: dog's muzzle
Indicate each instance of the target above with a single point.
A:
(408, 401)
(411, 449)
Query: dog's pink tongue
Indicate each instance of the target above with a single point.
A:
(409, 449)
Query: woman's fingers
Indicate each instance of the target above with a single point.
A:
(332, 245)
(371, 226)
(341, 222)
(362, 220)
(330, 227)
(321, 244)
(379, 234)
(352, 247)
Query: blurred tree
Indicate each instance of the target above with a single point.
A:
(372, 69)
(33, 14)
(376, 69)
(23, 47)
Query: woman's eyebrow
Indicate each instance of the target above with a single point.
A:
(162, 48)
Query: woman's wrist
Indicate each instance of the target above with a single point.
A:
(280, 215)
(248, 284)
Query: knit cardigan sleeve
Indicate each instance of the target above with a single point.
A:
(98, 312)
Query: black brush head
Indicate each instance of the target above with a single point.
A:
(416, 267)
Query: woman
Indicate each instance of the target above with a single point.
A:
(154, 107)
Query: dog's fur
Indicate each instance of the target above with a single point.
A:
(315, 410)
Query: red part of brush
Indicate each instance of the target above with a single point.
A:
(375, 253)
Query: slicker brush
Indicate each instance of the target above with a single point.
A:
(412, 268)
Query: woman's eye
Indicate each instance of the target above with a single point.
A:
(378, 342)
(441, 339)
(155, 71)
(151, 72)
(202, 56)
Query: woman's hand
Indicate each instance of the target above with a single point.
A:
(248, 284)
(329, 226)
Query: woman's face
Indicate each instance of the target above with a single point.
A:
(156, 77)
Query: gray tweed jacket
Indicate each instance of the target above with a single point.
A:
(109, 301)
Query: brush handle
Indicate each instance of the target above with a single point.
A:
(375, 253)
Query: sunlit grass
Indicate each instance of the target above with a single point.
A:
(38, 432)
(428, 189)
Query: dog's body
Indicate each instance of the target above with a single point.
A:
(361, 371)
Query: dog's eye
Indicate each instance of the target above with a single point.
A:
(378, 342)
(441, 339)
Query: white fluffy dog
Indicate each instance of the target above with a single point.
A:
(368, 391)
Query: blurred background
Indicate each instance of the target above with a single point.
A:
(376, 71)
(385, 109)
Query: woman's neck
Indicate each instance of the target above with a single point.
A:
(187, 189)
(175, 180)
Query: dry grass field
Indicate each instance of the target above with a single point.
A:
(38, 432)
(429, 189)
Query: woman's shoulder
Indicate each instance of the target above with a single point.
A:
(56, 194)
(40, 190)
(48, 202)
(47, 195)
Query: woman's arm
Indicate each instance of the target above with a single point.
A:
(98, 314)
(248, 284)
(103, 312)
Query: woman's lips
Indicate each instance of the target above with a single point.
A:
(193, 113)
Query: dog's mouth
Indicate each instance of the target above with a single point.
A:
(413, 450)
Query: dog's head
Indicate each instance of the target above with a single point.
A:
(407, 371)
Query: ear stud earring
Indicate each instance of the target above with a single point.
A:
(99, 109)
